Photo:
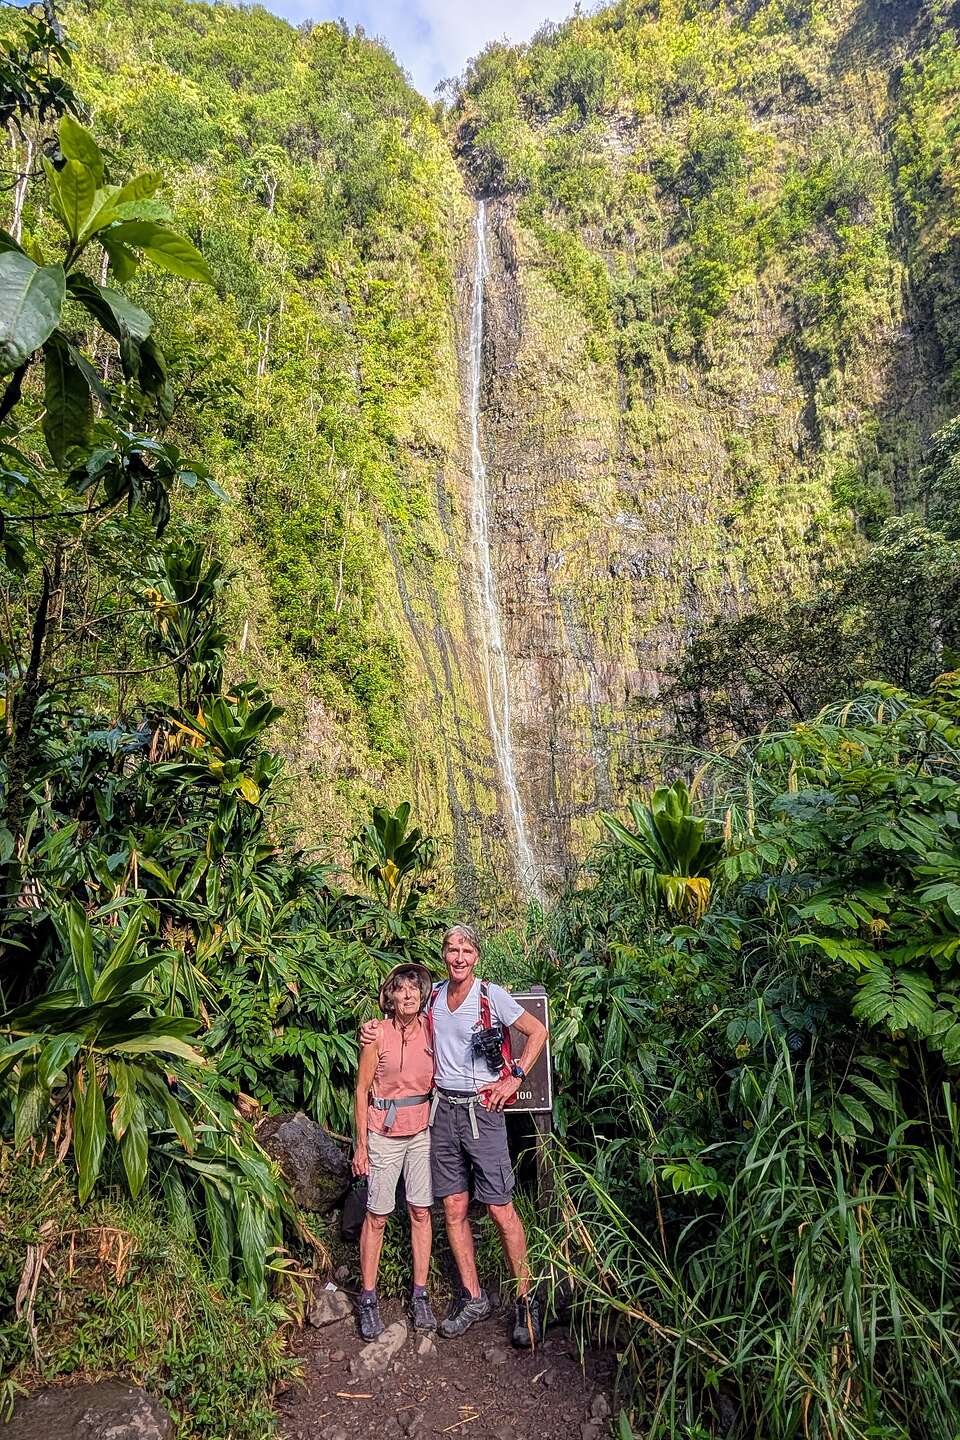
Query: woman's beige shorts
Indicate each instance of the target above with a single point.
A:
(409, 1155)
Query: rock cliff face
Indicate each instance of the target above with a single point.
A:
(626, 505)
(713, 343)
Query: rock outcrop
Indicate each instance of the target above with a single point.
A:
(107, 1410)
(313, 1164)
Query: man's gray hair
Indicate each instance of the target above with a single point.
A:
(467, 931)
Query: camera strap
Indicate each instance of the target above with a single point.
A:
(485, 1016)
(486, 1020)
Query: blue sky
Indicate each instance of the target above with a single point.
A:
(432, 39)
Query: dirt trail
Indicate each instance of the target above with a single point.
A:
(477, 1386)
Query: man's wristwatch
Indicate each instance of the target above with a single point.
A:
(517, 1071)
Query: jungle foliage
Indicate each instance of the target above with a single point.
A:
(757, 1194)
(172, 960)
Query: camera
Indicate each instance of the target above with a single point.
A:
(488, 1046)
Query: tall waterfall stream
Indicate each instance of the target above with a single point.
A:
(495, 660)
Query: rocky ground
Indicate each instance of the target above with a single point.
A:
(409, 1385)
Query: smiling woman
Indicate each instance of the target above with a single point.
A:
(392, 1113)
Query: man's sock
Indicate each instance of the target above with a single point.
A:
(366, 1295)
(419, 1290)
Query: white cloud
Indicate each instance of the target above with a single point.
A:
(432, 39)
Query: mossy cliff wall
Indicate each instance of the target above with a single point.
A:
(715, 337)
(709, 365)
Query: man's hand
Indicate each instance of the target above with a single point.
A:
(369, 1032)
(361, 1162)
(501, 1094)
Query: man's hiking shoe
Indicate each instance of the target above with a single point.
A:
(465, 1311)
(527, 1326)
(421, 1313)
(370, 1323)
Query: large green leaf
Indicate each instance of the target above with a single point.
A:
(159, 1045)
(32, 1102)
(69, 405)
(56, 1056)
(252, 1234)
(118, 315)
(134, 1146)
(78, 144)
(72, 192)
(123, 261)
(31, 299)
(164, 247)
(89, 1127)
(218, 1226)
(80, 940)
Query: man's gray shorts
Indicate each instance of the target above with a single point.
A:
(456, 1155)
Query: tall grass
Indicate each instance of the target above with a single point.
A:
(814, 1295)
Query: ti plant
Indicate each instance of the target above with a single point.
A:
(668, 852)
(392, 861)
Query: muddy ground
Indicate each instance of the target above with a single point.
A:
(418, 1387)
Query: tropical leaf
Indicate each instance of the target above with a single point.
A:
(89, 1127)
(164, 247)
(898, 999)
(68, 420)
(78, 144)
(31, 299)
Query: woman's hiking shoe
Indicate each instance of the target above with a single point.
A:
(527, 1327)
(421, 1313)
(370, 1323)
(465, 1310)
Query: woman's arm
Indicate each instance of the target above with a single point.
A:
(369, 1056)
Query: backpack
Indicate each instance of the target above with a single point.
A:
(486, 1020)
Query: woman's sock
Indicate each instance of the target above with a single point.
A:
(366, 1295)
(419, 1290)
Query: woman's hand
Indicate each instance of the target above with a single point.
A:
(501, 1094)
(369, 1032)
(361, 1162)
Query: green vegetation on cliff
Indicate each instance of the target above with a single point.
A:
(316, 379)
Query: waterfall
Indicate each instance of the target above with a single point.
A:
(494, 658)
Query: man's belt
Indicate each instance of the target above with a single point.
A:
(457, 1097)
(399, 1102)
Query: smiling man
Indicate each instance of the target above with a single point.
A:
(474, 1080)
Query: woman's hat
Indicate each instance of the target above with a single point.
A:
(424, 979)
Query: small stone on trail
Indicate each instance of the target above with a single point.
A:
(495, 1355)
(338, 1433)
(411, 1420)
(342, 1272)
(590, 1430)
(328, 1306)
(376, 1358)
(337, 1356)
(427, 1347)
(600, 1406)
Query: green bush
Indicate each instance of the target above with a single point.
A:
(121, 1294)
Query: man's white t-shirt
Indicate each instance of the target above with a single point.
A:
(455, 1067)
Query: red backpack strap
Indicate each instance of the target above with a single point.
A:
(486, 1016)
(484, 1005)
(434, 995)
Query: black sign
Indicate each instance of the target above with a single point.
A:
(536, 1091)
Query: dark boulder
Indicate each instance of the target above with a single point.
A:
(314, 1165)
(108, 1410)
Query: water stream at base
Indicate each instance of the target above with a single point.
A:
(494, 659)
